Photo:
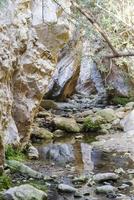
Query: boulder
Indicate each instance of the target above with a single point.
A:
(67, 124)
(100, 177)
(128, 122)
(108, 114)
(24, 192)
(42, 133)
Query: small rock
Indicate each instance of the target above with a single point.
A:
(82, 179)
(78, 137)
(123, 187)
(77, 195)
(59, 133)
(119, 171)
(66, 188)
(105, 189)
(33, 153)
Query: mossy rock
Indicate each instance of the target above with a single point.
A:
(66, 124)
(42, 133)
(48, 104)
(108, 114)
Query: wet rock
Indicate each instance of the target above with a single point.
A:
(33, 153)
(82, 179)
(128, 122)
(84, 114)
(24, 192)
(67, 124)
(78, 195)
(123, 186)
(105, 189)
(66, 188)
(42, 133)
(105, 177)
(48, 104)
(108, 114)
(23, 169)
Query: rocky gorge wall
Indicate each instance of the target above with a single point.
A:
(30, 47)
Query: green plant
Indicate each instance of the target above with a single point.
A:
(91, 125)
(14, 154)
(121, 100)
(5, 182)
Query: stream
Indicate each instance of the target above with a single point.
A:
(67, 158)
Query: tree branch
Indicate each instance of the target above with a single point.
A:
(93, 21)
(120, 54)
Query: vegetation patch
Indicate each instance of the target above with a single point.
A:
(14, 154)
(121, 100)
(91, 124)
(5, 182)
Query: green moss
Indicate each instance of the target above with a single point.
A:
(14, 154)
(39, 184)
(91, 125)
(122, 100)
(5, 182)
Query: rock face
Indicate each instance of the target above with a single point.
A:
(28, 57)
(90, 80)
(24, 192)
(64, 80)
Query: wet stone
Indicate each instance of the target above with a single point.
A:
(100, 177)
(66, 188)
(105, 189)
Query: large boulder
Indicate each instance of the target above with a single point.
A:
(29, 51)
(67, 124)
(24, 192)
(108, 114)
(128, 122)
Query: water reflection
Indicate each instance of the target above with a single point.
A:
(83, 157)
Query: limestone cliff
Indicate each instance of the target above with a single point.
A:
(29, 51)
